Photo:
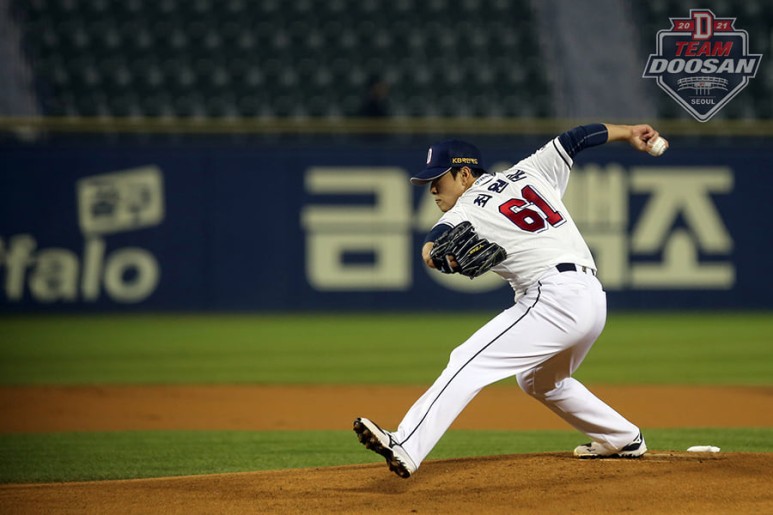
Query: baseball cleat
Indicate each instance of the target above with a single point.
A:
(381, 442)
(593, 450)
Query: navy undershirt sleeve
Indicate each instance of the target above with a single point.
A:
(435, 233)
(582, 137)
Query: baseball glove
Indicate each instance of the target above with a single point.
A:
(461, 250)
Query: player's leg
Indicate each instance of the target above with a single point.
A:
(574, 403)
(543, 324)
(476, 363)
(551, 382)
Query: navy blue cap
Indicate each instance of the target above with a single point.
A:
(446, 155)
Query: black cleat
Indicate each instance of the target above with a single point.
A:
(381, 442)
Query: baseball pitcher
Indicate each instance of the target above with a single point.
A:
(515, 224)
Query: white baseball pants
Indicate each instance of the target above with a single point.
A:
(541, 341)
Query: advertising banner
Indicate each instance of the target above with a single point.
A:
(336, 225)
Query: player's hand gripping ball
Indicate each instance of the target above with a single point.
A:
(461, 250)
(657, 146)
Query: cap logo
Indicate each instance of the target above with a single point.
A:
(429, 155)
(464, 160)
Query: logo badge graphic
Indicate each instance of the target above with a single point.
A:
(702, 62)
(121, 201)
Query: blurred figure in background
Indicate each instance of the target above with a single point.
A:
(376, 101)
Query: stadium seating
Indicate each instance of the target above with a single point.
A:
(269, 58)
(315, 58)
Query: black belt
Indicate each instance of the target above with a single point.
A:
(571, 267)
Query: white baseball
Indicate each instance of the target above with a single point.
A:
(657, 146)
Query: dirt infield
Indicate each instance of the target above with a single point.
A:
(249, 407)
(662, 482)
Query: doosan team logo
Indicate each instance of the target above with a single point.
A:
(702, 62)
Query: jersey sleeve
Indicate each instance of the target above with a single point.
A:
(436, 231)
(552, 162)
(450, 218)
(582, 137)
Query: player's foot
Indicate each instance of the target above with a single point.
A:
(635, 449)
(381, 442)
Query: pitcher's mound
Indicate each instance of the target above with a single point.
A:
(661, 482)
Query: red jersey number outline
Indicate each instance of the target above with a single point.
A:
(532, 213)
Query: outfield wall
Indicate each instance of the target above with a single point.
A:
(160, 223)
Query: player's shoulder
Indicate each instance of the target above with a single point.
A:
(550, 150)
(517, 173)
(485, 183)
(483, 180)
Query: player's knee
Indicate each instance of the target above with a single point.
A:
(526, 382)
(460, 354)
(539, 387)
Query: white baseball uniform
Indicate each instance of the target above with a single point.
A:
(559, 312)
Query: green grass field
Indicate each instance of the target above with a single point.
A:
(729, 349)
(337, 349)
(137, 454)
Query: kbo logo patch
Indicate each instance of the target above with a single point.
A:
(702, 62)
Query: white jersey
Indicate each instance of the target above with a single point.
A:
(521, 210)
